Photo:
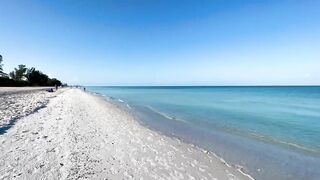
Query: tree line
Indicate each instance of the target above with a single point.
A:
(23, 76)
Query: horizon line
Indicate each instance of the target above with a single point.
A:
(198, 85)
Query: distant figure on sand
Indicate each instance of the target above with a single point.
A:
(84, 89)
(56, 87)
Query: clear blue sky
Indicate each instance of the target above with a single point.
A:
(158, 42)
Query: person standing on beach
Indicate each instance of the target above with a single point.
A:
(56, 87)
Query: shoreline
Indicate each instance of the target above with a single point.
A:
(120, 105)
(79, 135)
(174, 137)
(260, 159)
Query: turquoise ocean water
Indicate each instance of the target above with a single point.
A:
(270, 132)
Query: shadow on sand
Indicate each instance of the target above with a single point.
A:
(13, 121)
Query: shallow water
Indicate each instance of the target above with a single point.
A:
(273, 132)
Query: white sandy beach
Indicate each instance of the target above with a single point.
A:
(71, 134)
(16, 103)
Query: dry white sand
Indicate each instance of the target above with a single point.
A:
(17, 102)
(78, 135)
(16, 90)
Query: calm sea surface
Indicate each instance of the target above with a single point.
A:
(271, 132)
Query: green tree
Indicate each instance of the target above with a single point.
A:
(53, 82)
(1, 69)
(36, 77)
(18, 73)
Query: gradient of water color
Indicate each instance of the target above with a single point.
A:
(270, 132)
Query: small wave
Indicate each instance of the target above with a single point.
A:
(120, 100)
(298, 146)
(165, 115)
(288, 144)
(239, 168)
(243, 171)
(128, 106)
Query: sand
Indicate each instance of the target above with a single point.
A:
(20, 90)
(76, 135)
(20, 102)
